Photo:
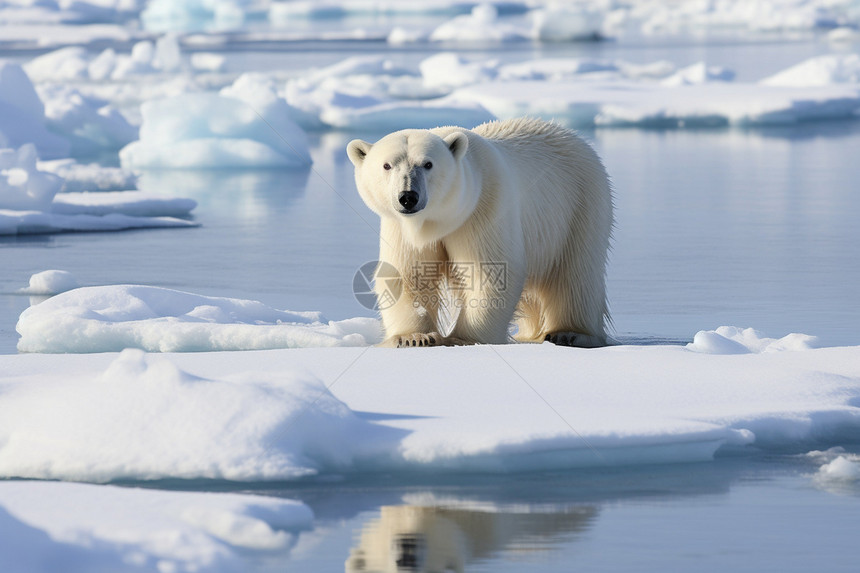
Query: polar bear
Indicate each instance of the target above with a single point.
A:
(509, 220)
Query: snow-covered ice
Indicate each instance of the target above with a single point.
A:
(80, 528)
(30, 203)
(734, 340)
(110, 318)
(22, 115)
(88, 123)
(22, 185)
(131, 203)
(50, 282)
(283, 414)
(372, 93)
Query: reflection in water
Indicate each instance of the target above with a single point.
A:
(441, 539)
(249, 194)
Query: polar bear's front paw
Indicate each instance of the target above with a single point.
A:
(574, 339)
(418, 339)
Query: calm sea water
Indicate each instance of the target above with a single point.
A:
(740, 227)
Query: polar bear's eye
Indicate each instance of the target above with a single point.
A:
(386, 166)
(428, 165)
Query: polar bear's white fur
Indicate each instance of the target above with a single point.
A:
(523, 198)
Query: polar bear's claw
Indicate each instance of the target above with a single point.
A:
(419, 339)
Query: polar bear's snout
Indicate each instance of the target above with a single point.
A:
(413, 197)
(409, 201)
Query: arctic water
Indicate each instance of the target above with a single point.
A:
(748, 227)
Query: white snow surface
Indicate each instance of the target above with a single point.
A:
(80, 528)
(283, 414)
(110, 318)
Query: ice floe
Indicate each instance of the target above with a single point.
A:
(372, 93)
(284, 414)
(30, 203)
(81, 528)
(110, 318)
(245, 126)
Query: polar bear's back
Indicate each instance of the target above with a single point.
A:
(561, 182)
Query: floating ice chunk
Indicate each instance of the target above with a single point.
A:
(260, 92)
(843, 469)
(92, 177)
(22, 185)
(103, 319)
(359, 82)
(699, 73)
(89, 123)
(207, 61)
(449, 70)
(133, 203)
(51, 282)
(146, 418)
(68, 63)
(22, 115)
(394, 115)
(14, 222)
(563, 22)
(213, 131)
(106, 528)
(482, 25)
(819, 71)
(734, 340)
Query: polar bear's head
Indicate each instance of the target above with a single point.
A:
(415, 176)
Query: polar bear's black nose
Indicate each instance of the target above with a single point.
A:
(408, 199)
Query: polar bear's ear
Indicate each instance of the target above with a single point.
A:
(458, 143)
(357, 150)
